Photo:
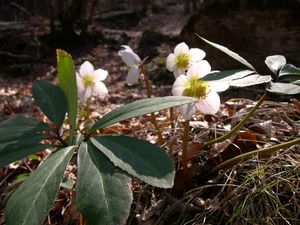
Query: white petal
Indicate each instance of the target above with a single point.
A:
(80, 86)
(133, 75)
(84, 94)
(209, 105)
(181, 48)
(100, 74)
(219, 86)
(100, 89)
(170, 62)
(196, 54)
(199, 69)
(188, 110)
(86, 68)
(178, 86)
(128, 56)
(178, 72)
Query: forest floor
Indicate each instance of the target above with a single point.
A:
(262, 190)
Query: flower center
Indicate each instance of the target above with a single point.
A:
(196, 88)
(182, 60)
(88, 81)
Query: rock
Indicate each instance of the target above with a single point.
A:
(252, 28)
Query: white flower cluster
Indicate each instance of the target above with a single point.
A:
(189, 68)
(187, 65)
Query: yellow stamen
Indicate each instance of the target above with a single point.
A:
(182, 60)
(88, 81)
(196, 88)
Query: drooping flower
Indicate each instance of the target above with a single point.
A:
(192, 85)
(89, 81)
(133, 61)
(182, 58)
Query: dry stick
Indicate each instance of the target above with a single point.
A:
(185, 138)
(258, 152)
(237, 127)
(153, 118)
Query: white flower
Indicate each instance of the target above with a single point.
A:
(205, 91)
(133, 61)
(89, 81)
(182, 58)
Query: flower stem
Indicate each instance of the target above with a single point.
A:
(172, 118)
(185, 138)
(239, 158)
(153, 117)
(237, 127)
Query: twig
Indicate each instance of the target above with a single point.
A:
(237, 127)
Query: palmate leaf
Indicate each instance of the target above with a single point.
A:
(67, 82)
(139, 158)
(229, 53)
(51, 100)
(140, 107)
(284, 88)
(30, 203)
(20, 137)
(102, 192)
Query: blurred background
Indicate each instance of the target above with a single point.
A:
(31, 30)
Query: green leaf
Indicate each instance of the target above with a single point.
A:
(275, 62)
(250, 80)
(283, 88)
(103, 193)
(30, 203)
(229, 53)
(14, 150)
(227, 75)
(289, 69)
(139, 158)
(289, 79)
(51, 100)
(140, 107)
(19, 137)
(67, 82)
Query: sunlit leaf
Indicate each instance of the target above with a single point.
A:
(229, 53)
(284, 88)
(250, 80)
(103, 194)
(67, 82)
(30, 203)
(227, 75)
(51, 100)
(140, 107)
(275, 62)
(289, 69)
(139, 158)
(20, 137)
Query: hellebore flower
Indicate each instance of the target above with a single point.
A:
(182, 58)
(205, 91)
(133, 61)
(89, 81)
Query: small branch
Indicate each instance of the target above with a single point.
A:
(185, 138)
(153, 117)
(17, 56)
(259, 152)
(59, 138)
(237, 127)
